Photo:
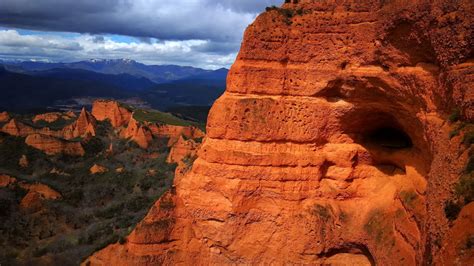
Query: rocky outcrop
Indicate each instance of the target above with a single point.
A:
(45, 191)
(6, 180)
(52, 145)
(461, 242)
(137, 132)
(16, 128)
(175, 132)
(111, 110)
(37, 193)
(329, 145)
(98, 169)
(53, 117)
(182, 149)
(85, 125)
(4, 117)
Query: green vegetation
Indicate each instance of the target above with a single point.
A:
(95, 210)
(324, 212)
(455, 115)
(451, 210)
(287, 13)
(56, 125)
(378, 226)
(15, 147)
(468, 138)
(126, 106)
(159, 117)
(188, 161)
(409, 198)
(455, 132)
(464, 188)
(469, 242)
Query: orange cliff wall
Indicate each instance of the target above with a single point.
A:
(52, 145)
(111, 110)
(290, 170)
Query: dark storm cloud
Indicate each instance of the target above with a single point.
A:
(216, 20)
(204, 33)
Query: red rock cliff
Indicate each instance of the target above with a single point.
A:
(112, 110)
(138, 133)
(329, 146)
(52, 145)
(84, 126)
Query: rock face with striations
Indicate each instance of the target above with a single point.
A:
(111, 110)
(330, 144)
(52, 145)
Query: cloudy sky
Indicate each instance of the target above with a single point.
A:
(201, 33)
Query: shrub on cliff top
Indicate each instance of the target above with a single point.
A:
(451, 210)
(465, 188)
(455, 116)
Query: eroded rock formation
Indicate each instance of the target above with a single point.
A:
(52, 145)
(84, 126)
(6, 180)
(137, 132)
(16, 128)
(329, 145)
(37, 193)
(111, 110)
(53, 117)
(175, 132)
(182, 149)
(4, 117)
(98, 169)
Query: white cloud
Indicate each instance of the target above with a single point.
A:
(51, 47)
(203, 33)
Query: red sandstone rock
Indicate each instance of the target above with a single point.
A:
(16, 128)
(84, 126)
(45, 191)
(48, 117)
(138, 133)
(37, 193)
(98, 169)
(6, 180)
(52, 145)
(175, 132)
(296, 167)
(32, 201)
(4, 117)
(458, 250)
(182, 149)
(111, 110)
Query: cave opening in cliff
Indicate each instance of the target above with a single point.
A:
(388, 137)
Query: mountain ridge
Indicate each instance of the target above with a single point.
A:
(155, 73)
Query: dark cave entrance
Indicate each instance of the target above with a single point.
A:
(388, 138)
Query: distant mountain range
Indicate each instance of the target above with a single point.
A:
(27, 86)
(155, 73)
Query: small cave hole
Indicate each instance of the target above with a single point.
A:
(389, 137)
(344, 65)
